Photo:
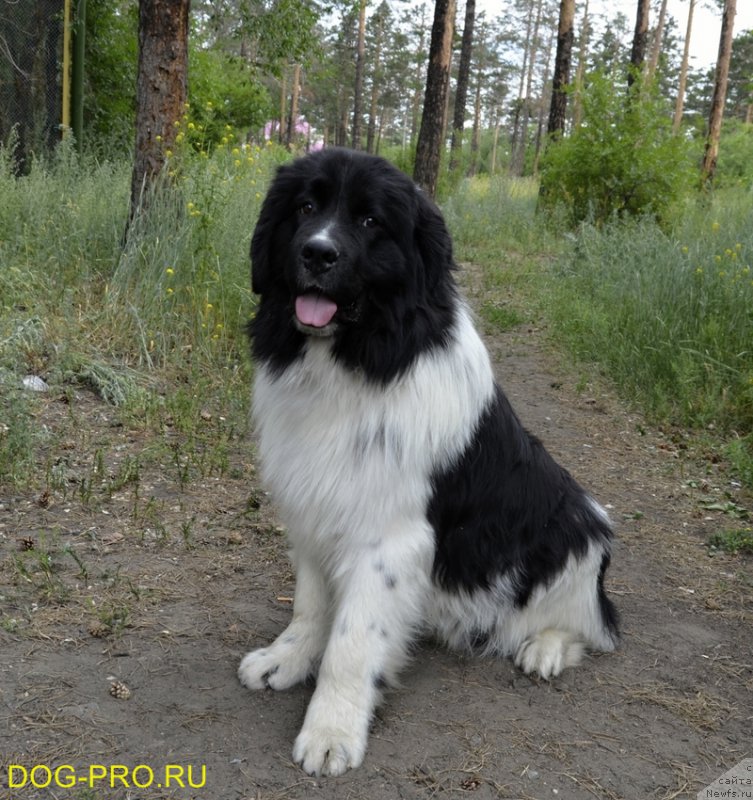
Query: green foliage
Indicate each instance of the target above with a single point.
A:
(740, 79)
(623, 159)
(667, 313)
(740, 454)
(735, 164)
(285, 32)
(111, 64)
(223, 91)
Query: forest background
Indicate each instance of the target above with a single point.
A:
(602, 228)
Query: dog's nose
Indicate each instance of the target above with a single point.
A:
(319, 255)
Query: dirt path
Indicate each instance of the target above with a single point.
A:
(163, 590)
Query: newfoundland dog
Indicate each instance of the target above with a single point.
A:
(415, 502)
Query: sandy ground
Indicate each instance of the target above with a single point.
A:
(156, 587)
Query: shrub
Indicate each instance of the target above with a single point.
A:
(622, 159)
(735, 167)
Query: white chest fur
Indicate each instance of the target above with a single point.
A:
(345, 458)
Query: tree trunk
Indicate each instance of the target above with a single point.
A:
(283, 106)
(161, 89)
(545, 100)
(431, 133)
(656, 47)
(720, 93)
(519, 151)
(415, 108)
(461, 90)
(495, 143)
(680, 102)
(640, 41)
(358, 88)
(565, 35)
(519, 104)
(295, 91)
(376, 79)
(581, 70)
(476, 133)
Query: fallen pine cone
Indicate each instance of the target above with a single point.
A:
(100, 630)
(119, 690)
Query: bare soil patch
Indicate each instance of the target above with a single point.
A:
(159, 584)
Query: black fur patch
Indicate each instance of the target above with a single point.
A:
(506, 507)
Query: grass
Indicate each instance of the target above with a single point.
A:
(155, 326)
(667, 314)
(663, 311)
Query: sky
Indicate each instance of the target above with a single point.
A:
(704, 39)
(707, 25)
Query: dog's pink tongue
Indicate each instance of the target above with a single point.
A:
(314, 310)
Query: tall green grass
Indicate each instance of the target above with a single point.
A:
(669, 314)
(155, 325)
(665, 311)
(83, 305)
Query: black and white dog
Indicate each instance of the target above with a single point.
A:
(414, 499)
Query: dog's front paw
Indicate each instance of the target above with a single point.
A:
(328, 751)
(273, 667)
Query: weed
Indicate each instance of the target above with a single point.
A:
(113, 617)
(83, 570)
(128, 474)
(18, 436)
(84, 311)
(186, 529)
(734, 540)
(39, 566)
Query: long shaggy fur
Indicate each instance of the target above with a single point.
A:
(414, 499)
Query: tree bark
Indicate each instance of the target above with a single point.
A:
(653, 62)
(432, 131)
(476, 133)
(640, 41)
(581, 70)
(295, 92)
(376, 80)
(358, 89)
(523, 113)
(461, 89)
(565, 35)
(161, 90)
(680, 102)
(720, 93)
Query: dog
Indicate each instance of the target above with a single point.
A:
(414, 500)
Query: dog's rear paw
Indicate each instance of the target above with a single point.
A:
(549, 652)
(270, 668)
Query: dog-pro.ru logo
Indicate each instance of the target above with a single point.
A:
(22, 777)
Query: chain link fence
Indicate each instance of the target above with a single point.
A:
(31, 55)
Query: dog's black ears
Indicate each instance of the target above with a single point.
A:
(274, 212)
(433, 240)
(261, 270)
(261, 246)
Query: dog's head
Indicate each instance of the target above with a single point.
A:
(347, 246)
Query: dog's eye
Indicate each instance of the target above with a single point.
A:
(305, 208)
(369, 222)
